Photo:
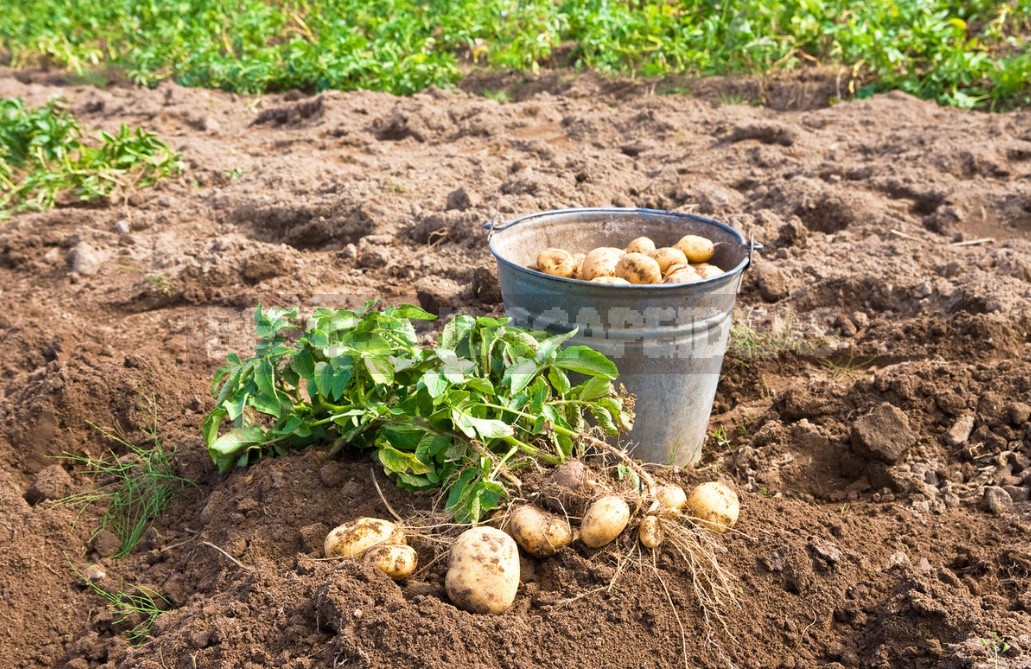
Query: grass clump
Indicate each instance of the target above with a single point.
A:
(135, 605)
(136, 488)
(43, 158)
(968, 54)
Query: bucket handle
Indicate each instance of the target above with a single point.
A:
(492, 226)
(753, 246)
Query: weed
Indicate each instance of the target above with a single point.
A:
(844, 509)
(719, 435)
(236, 173)
(748, 344)
(132, 604)
(159, 283)
(136, 488)
(996, 645)
(43, 158)
(500, 95)
(847, 369)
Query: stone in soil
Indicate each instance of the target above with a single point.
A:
(997, 500)
(883, 434)
(958, 434)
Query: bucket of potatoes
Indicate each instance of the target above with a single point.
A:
(639, 263)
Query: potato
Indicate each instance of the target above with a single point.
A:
(600, 262)
(667, 257)
(638, 268)
(483, 571)
(715, 504)
(649, 532)
(578, 260)
(697, 249)
(350, 540)
(556, 262)
(641, 245)
(707, 271)
(610, 281)
(682, 275)
(570, 489)
(606, 517)
(671, 499)
(395, 560)
(538, 532)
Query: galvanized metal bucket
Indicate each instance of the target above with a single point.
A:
(667, 340)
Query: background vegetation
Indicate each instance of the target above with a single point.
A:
(969, 53)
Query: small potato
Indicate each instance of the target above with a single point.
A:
(569, 489)
(638, 268)
(578, 260)
(483, 571)
(600, 262)
(556, 262)
(697, 249)
(350, 540)
(715, 504)
(649, 532)
(641, 245)
(671, 499)
(395, 560)
(682, 275)
(610, 281)
(538, 532)
(668, 257)
(606, 517)
(707, 271)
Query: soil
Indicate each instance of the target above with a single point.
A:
(873, 414)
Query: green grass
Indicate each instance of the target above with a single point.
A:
(965, 53)
(44, 157)
(136, 488)
(134, 604)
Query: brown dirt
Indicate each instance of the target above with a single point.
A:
(852, 552)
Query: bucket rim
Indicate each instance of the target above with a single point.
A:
(494, 228)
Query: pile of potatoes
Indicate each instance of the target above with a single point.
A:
(483, 563)
(640, 263)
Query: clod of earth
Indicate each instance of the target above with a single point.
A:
(883, 434)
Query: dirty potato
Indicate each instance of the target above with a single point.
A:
(649, 532)
(605, 519)
(641, 245)
(483, 571)
(671, 499)
(638, 268)
(578, 263)
(352, 539)
(684, 274)
(610, 281)
(707, 271)
(395, 560)
(668, 257)
(538, 532)
(556, 262)
(696, 248)
(600, 262)
(715, 504)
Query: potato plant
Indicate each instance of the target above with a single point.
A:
(488, 399)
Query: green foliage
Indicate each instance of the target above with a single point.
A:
(42, 156)
(489, 398)
(136, 488)
(961, 53)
